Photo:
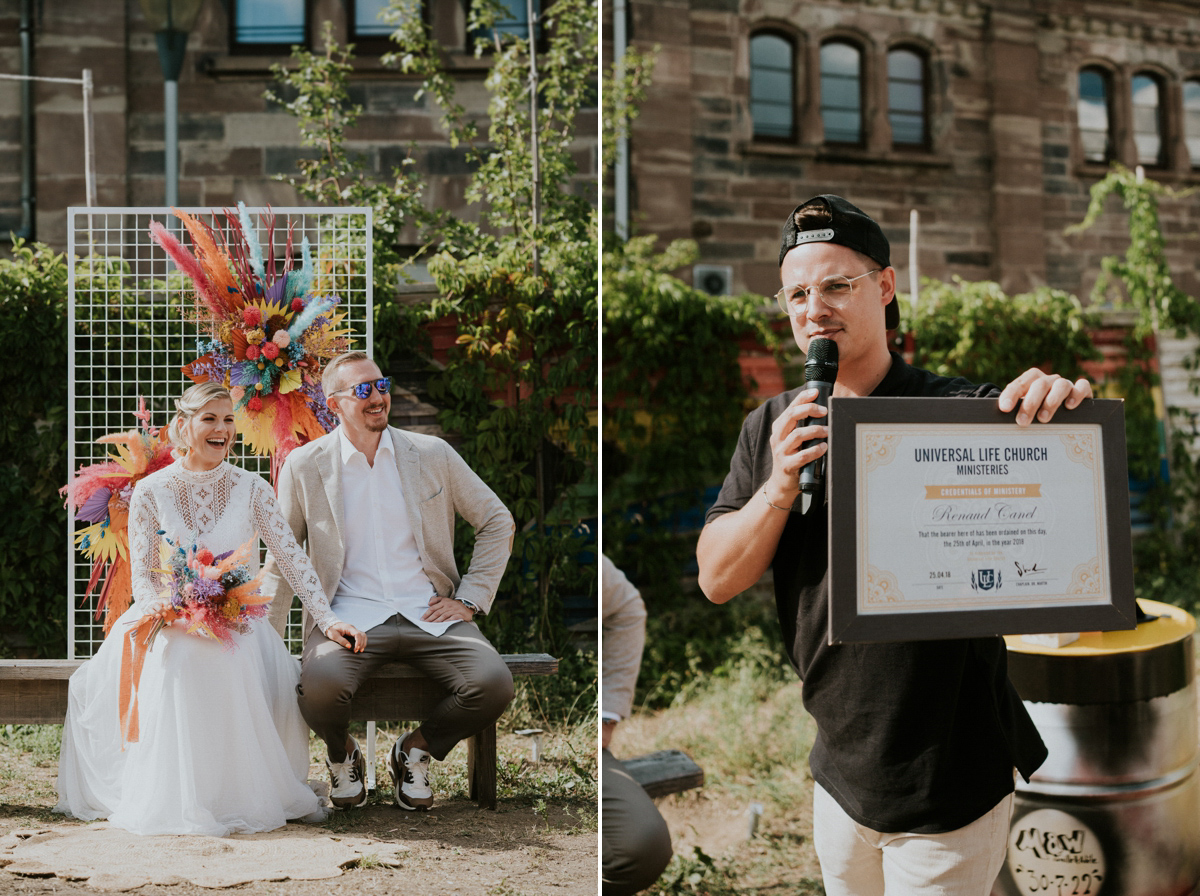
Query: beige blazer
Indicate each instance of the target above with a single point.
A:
(624, 628)
(437, 485)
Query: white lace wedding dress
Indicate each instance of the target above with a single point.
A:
(223, 748)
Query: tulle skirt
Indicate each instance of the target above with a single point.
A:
(223, 748)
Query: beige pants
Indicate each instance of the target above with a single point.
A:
(857, 861)
(461, 660)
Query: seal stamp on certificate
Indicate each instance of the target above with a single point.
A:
(948, 520)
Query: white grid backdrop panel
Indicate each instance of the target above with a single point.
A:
(130, 336)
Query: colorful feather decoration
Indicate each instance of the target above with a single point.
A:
(100, 495)
(269, 336)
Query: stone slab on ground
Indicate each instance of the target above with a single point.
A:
(109, 858)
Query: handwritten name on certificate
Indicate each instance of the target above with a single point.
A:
(967, 517)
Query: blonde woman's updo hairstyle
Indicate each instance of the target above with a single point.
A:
(187, 406)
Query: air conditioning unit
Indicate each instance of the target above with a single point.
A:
(714, 279)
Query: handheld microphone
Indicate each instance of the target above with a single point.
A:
(820, 372)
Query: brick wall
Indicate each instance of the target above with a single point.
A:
(1004, 174)
(232, 142)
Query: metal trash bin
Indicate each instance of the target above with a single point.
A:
(1115, 809)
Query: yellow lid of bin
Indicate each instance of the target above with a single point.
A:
(1172, 624)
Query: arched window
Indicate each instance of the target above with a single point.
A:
(1147, 120)
(841, 92)
(906, 98)
(1095, 133)
(1191, 119)
(772, 107)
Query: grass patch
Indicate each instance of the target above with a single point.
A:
(562, 783)
(41, 743)
(744, 722)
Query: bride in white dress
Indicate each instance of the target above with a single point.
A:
(223, 748)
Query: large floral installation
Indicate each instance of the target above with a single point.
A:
(100, 495)
(267, 336)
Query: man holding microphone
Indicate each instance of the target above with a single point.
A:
(917, 741)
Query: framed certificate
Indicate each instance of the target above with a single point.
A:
(947, 520)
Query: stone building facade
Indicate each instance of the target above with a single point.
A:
(233, 142)
(991, 118)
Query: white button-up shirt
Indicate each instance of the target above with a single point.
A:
(383, 573)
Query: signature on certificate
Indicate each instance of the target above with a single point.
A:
(1022, 570)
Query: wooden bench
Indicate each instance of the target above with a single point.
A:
(665, 772)
(34, 692)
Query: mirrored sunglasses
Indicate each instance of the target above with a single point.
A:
(363, 390)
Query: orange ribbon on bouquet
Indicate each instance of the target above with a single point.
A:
(138, 641)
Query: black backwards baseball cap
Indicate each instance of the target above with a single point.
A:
(849, 226)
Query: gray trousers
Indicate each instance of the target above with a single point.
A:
(461, 660)
(635, 842)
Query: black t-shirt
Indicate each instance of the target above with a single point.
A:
(917, 736)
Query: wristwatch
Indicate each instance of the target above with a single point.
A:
(470, 606)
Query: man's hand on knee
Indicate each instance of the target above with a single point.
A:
(447, 609)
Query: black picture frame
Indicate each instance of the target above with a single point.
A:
(845, 478)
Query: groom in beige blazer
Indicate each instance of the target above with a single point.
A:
(375, 507)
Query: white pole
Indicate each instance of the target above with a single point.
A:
(621, 199)
(913, 279)
(171, 126)
(534, 136)
(89, 145)
(89, 140)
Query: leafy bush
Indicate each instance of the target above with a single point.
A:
(975, 330)
(673, 401)
(521, 290)
(33, 445)
(690, 643)
(1166, 559)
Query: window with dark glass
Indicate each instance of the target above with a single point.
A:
(367, 21)
(772, 108)
(1147, 120)
(906, 98)
(512, 20)
(268, 24)
(1093, 117)
(1191, 120)
(841, 92)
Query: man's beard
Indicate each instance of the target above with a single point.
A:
(376, 424)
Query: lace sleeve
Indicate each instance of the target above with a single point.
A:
(144, 540)
(293, 563)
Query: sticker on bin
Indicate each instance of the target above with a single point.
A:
(1053, 852)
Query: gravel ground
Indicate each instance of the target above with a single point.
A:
(541, 841)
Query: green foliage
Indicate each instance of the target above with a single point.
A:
(624, 91)
(1143, 273)
(698, 874)
(519, 288)
(689, 642)
(33, 445)
(41, 742)
(976, 331)
(314, 91)
(1166, 559)
(674, 401)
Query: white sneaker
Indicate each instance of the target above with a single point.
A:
(348, 780)
(410, 775)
